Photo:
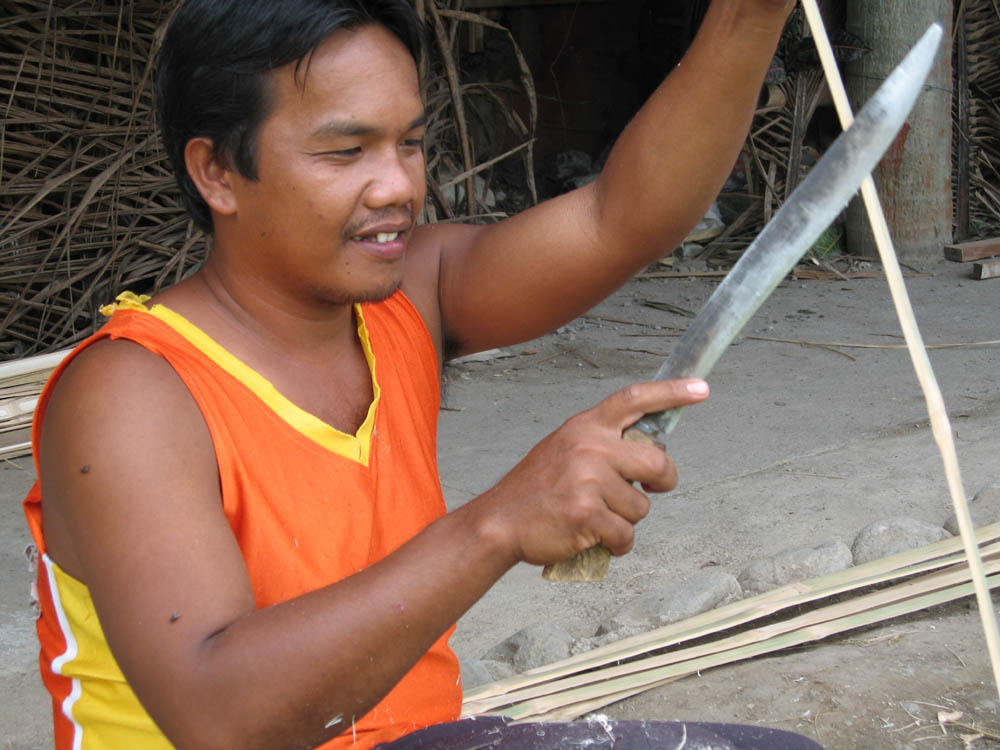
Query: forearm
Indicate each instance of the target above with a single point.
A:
(297, 673)
(258, 682)
(673, 158)
(544, 266)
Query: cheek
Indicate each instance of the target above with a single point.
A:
(418, 174)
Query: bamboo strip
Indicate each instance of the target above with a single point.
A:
(16, 450)
(894, 602)
(952, 576)
(31, 366)
(584, 707)
(940, 424)
(484, 166)
(908, 563)
(844, 345)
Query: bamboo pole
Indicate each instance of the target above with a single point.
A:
(940, 424)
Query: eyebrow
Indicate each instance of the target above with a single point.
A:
(342, 128)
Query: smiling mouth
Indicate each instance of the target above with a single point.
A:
(379, 237)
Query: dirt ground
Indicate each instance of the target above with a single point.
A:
(799, 444)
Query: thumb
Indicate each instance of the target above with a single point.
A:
(625, 407)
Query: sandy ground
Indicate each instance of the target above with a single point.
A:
(797, 445)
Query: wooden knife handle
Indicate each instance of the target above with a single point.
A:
(592, 564)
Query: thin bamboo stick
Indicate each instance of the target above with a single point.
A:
(940, 424)
(966, 345)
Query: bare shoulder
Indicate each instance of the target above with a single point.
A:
(431, 246)
(119, 389)
(112, 429)
(114, 362)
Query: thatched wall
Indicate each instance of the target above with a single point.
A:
(982, 31)
(87, 203)
(88, 206)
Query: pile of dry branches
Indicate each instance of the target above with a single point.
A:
(88, 205)
(982, 27)
(776, 154)
(455, 157)
(87, 202)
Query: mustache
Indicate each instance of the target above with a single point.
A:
(388, 215)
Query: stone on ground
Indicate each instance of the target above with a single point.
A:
(892, 535)
(674, 601)
(476, 672)
(535, 646)
(793, 565)
(984, 509)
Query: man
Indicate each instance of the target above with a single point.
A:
(244, 542)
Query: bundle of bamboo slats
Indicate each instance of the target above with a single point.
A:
(789, 616)
(21, 383)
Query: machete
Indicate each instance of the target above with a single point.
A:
(810, 209)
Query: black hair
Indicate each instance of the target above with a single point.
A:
(214, 66)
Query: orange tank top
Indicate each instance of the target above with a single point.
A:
(363, 496)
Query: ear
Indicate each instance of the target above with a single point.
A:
(210, 176)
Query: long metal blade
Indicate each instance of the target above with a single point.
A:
(796, 226)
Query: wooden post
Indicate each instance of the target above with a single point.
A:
(914, 177)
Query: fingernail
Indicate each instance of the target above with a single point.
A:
(697, 388)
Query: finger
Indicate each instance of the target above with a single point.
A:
(627, 406)
(644, 461)
(624, 500)
(615, 533)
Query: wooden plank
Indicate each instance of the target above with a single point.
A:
(963, 252)
(988, 269)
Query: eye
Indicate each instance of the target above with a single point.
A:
(414, 143)
(344, 153)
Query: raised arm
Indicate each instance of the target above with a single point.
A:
(526, 275)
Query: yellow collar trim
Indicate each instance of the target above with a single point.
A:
(354, 447)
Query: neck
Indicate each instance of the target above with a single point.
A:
(299, 327)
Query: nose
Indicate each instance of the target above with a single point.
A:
(398, 180)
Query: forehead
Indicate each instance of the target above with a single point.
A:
(360, 72)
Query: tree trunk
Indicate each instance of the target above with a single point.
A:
(914, 177)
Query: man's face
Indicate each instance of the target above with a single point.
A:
(340, 175)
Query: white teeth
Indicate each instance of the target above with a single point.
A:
(379, 237)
